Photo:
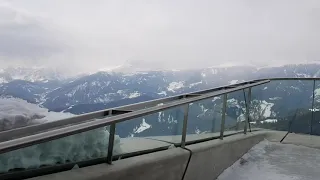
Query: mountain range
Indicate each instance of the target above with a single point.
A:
(105, 89)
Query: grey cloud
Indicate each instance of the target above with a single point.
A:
(182, 33)
(24, 39)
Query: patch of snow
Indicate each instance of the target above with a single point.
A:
(275, 98)
(172, 119)
(303, 75)
(78, 88)
(120, 91)
(70, 107)
(134, 95)
(267, 108)
(203, 74)
(317, 92)
(296, 88)
(104, 99)
(233, 103)
(215, 98)
(95, 83)
(160, 116)
(265, 88)
(269, 121)
(197, 130)
(233, 81)
(143, 126)
(175, 86)
(194, 84)
(163, 93)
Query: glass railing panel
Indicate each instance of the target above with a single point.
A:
(204, 119)
(77, 149)
(315, 115)
(155, 131)
(283, 105)
(235, 112)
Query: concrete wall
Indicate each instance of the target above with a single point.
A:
(207, 161)
(163, 165)
(210, 159)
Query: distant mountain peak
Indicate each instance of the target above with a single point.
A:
(32, 74)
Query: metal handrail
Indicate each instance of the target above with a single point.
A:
(38, 128)
(46, 136)
(51, 131)
(41, 133)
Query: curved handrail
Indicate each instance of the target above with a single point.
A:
(38, 128)
(129, 112)
(46, 136)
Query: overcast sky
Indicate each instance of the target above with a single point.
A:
(96, 34)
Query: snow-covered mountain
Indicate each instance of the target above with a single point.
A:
(36, 74)
(103, 90)
(55, 91)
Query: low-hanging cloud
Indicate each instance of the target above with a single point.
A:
(178, 34)
(15, 113)
(25, 39)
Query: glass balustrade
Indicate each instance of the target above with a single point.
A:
(204, 119)
(285, 105)
(155, 131)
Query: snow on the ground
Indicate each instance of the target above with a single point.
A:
(134, 95)
(175, 86)
(267, 108)
(273, 161)
(143, 126)
(194, 84)
(233, 82)
(163, 93)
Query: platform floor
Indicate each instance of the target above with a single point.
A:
(270, 161)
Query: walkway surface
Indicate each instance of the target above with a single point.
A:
(270, 161)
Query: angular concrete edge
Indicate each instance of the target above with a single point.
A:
(168, 164)
(307, 140)
(209, 159)
(274, 136)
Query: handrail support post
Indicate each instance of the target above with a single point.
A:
(223, 115)
(184, 127)
(246, 121)
(112, 132)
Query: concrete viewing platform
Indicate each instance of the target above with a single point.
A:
(282, 161)
(255, 155)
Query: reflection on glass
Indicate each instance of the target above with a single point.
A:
(282, 105)
(204, 118)
(144, 133)
(79, 147)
